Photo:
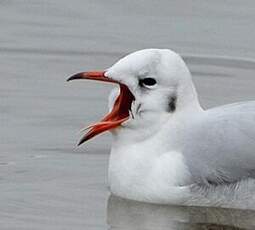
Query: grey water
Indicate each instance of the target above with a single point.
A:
(48, 183)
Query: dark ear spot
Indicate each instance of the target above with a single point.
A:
(172, 104)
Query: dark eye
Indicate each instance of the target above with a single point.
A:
(147, 82)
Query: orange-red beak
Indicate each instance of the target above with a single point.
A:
(120, 111)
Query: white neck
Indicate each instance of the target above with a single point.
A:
(145, 163)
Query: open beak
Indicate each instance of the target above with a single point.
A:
(121, 107)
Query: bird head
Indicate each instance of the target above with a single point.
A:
(153, 84)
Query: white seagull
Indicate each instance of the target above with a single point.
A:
(166, 149)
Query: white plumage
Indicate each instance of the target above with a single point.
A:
(185, 156)
(166, 148)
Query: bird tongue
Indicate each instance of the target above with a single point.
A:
(120, 111)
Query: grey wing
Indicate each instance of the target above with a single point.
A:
(220, 146)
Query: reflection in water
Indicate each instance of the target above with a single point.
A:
(125, 214)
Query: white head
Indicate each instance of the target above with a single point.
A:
(155, 84)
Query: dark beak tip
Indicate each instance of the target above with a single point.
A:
(84, 139)
(75, 77)
(71, 78)
(79, 144)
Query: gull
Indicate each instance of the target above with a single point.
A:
(166, 148)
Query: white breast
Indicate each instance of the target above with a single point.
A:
(142, 172)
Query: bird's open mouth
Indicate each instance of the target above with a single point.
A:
(121, 107)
